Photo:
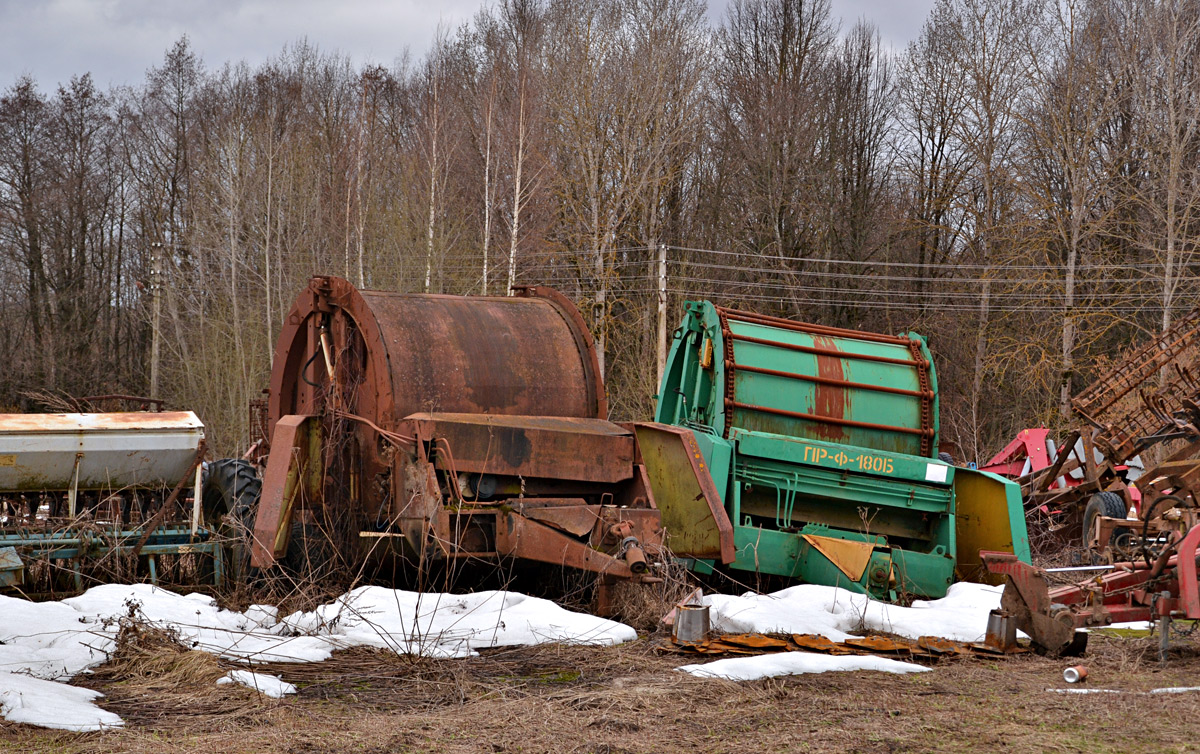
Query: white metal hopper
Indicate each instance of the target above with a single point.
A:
(41, 452)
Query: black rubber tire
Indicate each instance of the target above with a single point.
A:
(1107, 504)
(231, 493)
(231, 488)
(230, 496)
(945, 457)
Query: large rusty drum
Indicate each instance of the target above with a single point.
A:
(398, 354)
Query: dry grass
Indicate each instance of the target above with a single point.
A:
(567, 699)
(156, 683)
(644, 605)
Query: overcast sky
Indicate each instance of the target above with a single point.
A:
(117, 40)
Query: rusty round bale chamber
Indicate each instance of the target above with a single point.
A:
(527, 355)
(451, 427)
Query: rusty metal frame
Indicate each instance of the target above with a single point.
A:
(1129, 591)
(292, 475)
(1124, 432)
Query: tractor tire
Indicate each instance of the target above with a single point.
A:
(230, 498)
(231, 489)
(231, 493)
(1107, 504)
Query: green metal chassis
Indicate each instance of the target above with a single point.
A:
(80, 545)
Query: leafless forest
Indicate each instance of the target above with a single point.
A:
(1021, 184)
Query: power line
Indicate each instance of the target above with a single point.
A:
(924, 265)
(899, 305)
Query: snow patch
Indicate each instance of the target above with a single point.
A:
(796, 663)
(839, 614)
(50, 704)
(451, 625)
(268, 685)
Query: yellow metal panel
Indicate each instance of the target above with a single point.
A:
(683, 489)
(983, 521)
(849, 556)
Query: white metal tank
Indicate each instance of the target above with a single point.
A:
(46, 452)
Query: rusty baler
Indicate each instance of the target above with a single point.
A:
(445, 428)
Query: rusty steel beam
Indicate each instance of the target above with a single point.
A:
(291, 460)
(520, 537)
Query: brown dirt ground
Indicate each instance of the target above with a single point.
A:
(619, 700)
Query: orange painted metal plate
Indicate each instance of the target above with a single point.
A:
(755, 641)
(815, 643)
(850, 557)
(941, 646)
(281, 485)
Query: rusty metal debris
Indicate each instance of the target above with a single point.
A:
(1149, 396)
(926, 647)
(1164, 589)
(817, 643)
(1089, 487)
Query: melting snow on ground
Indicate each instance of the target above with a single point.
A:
(50, 704)
(450, 625)
(43, 645)
(1167, 690)
(269, 685)
(839, 615)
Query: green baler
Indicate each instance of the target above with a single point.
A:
(813, 454)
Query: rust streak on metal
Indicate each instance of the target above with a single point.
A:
(829, 400)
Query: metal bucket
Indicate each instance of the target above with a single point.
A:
(691, 623)
(1001, 631)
